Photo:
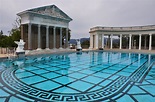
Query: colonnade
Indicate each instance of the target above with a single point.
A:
(47, 37)
(96, 40)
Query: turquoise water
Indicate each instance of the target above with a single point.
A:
(86, 76)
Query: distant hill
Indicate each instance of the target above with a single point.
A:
(73, 41)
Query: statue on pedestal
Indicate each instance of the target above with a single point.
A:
(78, 48)
(20, 48)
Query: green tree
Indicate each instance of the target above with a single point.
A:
(1, 33)
(85, 44)
(8, 41)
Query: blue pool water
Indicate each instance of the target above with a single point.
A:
(87, 76)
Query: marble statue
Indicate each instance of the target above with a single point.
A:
(20, 48)
(78, 48)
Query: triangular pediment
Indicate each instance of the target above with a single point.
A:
(52, 11)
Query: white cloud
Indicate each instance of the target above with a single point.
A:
(86, 13)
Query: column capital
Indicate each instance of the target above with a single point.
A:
(39, 25)
(29, 24)
(67, 28)
(140, 34)
(130, 34)
(47, 26)
(150, 34)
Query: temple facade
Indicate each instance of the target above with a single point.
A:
(45, 28)
(145, 34)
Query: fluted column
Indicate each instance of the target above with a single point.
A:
(47, 37)
(60, 38)
(39, 38)
(150, 42)
(103, 41)
(66, 37)
(140, 40)
(120, 42)
(29, 37)
(130, 41)
(54, 38)
(111, 41)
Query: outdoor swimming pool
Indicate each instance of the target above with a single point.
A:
(87, 76)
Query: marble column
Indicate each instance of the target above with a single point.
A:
(150, 42)
(39, 38)
(29, 37)
(111, 41)
(140, 41)
(54, 38)
(60, 38)
(67, 38)
(130, 36)
(47, 37)
(103, 41)
(120, 42)
(96, 41)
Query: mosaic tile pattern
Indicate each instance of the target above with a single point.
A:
(89, 76)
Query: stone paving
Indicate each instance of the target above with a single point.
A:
(34, 52)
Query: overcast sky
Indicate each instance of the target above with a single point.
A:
(85, 13)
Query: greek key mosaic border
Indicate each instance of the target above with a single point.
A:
(102, 94)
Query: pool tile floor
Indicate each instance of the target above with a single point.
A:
(80, 79)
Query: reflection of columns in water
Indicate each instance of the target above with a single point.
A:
(108, 57)
(120, 56)
(111, 55)
(129, 55)
(139, 57)
(93, 58)
(149, 58)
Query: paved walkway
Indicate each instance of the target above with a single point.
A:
(132, 51)
(36, 52)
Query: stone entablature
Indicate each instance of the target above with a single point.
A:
(121, 29)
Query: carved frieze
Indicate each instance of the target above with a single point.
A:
(50, 12)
